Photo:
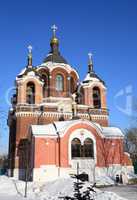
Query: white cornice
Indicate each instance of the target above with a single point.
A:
(51, 66)
(27, 77)
(92, 84)
(58, 114)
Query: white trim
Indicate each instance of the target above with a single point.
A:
(27, 78)
(91, 124)
(57, 98)
(93, 83)
(58, 114)
(51, 66)
(45, 136)
(86, 134)
(114, 137)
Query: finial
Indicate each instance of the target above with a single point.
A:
(54, 43)
(90, 63)
(30, 48)
(30, 56)
(54, 28)
(90, 57)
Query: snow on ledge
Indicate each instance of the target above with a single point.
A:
(112, 132)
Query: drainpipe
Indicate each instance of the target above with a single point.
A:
(41, 113)
(59, 159)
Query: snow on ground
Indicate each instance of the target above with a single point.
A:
(7, 186)
(104, 181)
(11, 189)
(126, 191)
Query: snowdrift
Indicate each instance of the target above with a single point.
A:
(48, 190)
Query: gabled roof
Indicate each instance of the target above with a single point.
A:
(50, 131)
(28, 70)
(92, 77)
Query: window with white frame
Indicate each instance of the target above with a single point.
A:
(59, 82)
(85, 150)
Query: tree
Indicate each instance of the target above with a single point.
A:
(78, 185)
(130, 143)
(134, 112)
(3, 161)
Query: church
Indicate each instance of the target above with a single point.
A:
(57, 122)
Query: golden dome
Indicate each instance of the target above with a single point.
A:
(54, 40)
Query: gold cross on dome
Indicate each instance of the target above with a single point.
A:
(54, 28)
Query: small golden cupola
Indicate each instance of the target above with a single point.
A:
(54, 55)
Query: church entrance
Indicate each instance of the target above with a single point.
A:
(86, 166)
(83, 152)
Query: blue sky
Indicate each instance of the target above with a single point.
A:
(107, 28)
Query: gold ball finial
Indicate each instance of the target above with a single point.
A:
(54, 40)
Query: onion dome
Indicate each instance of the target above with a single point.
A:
(54, 55)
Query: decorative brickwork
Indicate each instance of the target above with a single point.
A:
(54, 101)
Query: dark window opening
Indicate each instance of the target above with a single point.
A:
(75, 148)
(30, 93)
(96, 97)
(88, 148)
(82, 151)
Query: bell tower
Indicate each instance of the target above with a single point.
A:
(93, 95)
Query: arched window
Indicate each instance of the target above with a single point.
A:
(45, 85)
(85, 150)
(88, 150)
(96, 97)
(59, 82)
(30, 93)
(75, 148)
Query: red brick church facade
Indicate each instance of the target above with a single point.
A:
(56, 121)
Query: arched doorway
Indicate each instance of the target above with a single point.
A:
(82, 150)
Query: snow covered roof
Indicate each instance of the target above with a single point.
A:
(112, 132)
(92, 77)
(49, 129)
(22, 71)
